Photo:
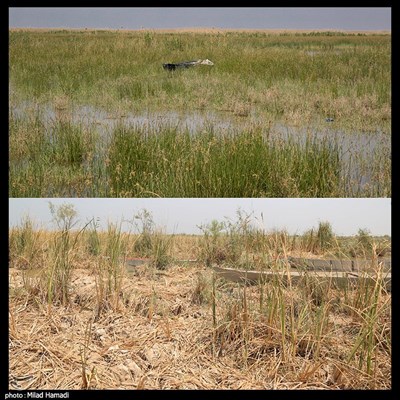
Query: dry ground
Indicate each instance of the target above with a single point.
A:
(160, 336)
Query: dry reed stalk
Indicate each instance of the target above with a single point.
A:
(173, 349)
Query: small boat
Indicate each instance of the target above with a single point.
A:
(186, 64)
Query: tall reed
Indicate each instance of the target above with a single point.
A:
(58, 279)
(25, 244)
(110, 270)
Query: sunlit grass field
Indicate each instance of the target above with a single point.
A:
(294, 79)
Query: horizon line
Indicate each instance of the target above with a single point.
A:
(209, 30)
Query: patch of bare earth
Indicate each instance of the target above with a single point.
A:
(159, 335)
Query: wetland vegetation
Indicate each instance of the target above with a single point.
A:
(93, 113)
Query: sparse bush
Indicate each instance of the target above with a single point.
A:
(319, 241)
(143, 244)
(152, 242)
(325, 236)
(212, 243)
(364, 242)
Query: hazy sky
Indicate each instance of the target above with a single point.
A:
(344, 18)
(182, 215)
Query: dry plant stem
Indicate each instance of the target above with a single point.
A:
(87, 376)
(214, 312)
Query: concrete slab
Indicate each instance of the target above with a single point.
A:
(338, 278)
(321, 264)
(355, 265)
(135, 262)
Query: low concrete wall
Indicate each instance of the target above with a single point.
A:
(354, 265)
(342, 265)
(335, 278)
(135, 262)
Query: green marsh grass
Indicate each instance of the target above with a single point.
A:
(167, 163)
(56, 156)
(63, 159)
(347, 77)
(293, 79)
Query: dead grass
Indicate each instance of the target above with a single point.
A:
(160, 337)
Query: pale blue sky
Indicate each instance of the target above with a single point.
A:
(182, 215)
(343, 18)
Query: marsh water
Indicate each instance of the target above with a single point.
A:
(360, 152)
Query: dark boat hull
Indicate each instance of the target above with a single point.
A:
(184, 64)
